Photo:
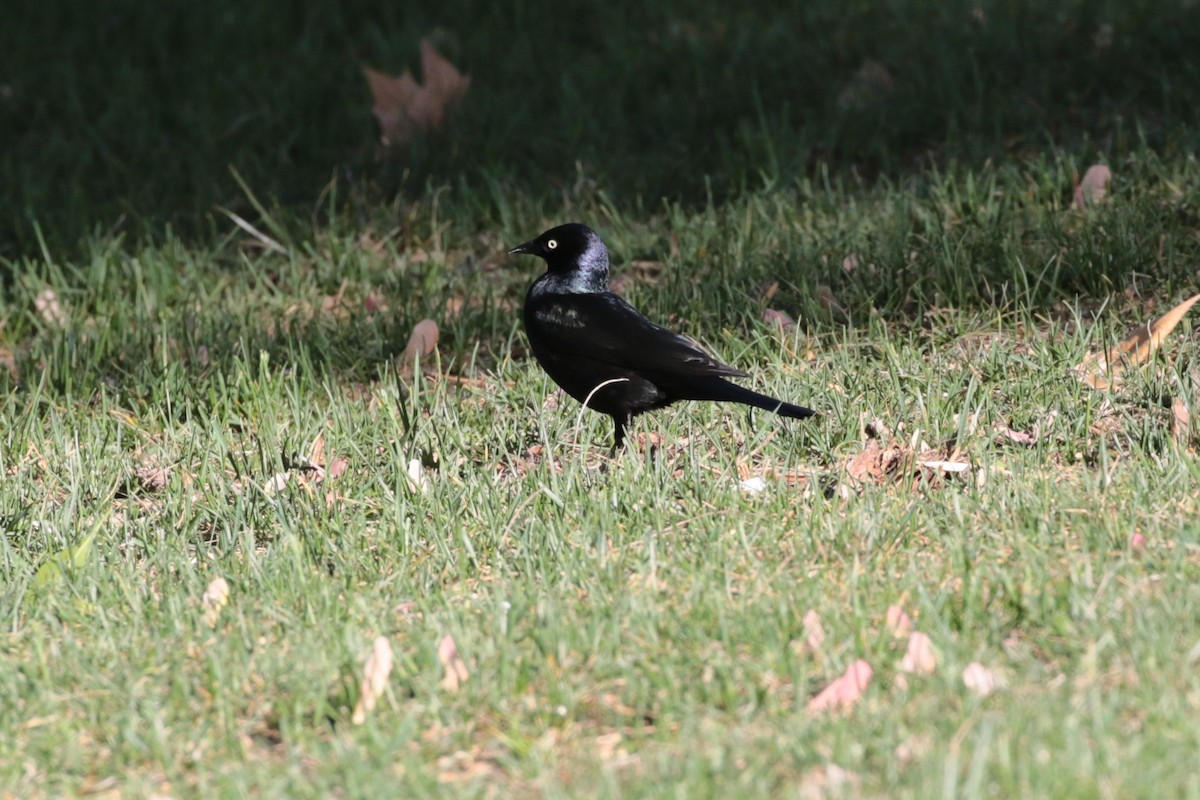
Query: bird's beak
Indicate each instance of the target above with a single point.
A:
(527, 247)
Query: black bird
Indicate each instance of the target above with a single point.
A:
(605, 354)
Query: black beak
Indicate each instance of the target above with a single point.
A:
(527, 247)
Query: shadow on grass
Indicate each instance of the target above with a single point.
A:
(127, 116)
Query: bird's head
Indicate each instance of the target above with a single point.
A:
(570, 248)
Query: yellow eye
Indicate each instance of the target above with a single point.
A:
(553, 243)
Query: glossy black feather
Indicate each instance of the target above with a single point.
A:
(605, 354)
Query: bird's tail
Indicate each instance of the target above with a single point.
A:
(724, 390)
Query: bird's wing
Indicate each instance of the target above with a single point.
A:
(604, 327)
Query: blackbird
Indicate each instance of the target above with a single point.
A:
(605, 354)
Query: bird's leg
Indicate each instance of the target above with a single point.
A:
(619, 434)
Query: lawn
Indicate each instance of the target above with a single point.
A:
(186, 402)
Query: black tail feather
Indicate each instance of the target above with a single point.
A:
(724, 390)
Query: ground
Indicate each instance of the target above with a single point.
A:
(225, 477)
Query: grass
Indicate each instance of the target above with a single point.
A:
(631, 627)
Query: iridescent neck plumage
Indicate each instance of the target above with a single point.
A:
(586, 273)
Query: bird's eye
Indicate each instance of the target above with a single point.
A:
(553, 243)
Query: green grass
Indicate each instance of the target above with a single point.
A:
(631, 627)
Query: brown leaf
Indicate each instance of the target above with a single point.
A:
(1101, 372)
(1094, 186)
(979, 679)
(421, 343)
(316, 452)
(374, 679)
(48, 307)
(876, 463)
(8, 362)
(781, 319)
(828, 302)
(335, 469)
(1181, 421)
(845, 690)
(454, 670)
(871, 84)
(898, 623)
(405, 108)
(814, 632)
(214, 599)
(919, 657)
(153, 477)
(829, 781)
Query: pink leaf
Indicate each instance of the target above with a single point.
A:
(780, 319)
(919, 658)
(1094, 186)
(844, 691)
(897, 621)
(814, 632)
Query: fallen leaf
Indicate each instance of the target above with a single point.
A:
(1017, 437)
(421, 343)
(9, 363)
(780, 319)
(827, 781)
(753, 486)
(1094, 185)
(1181, 421)
(405, 108)
(48, 307)
(872, 83)
(153, 477)
(335, 469)
(942, 465)
(814, 632)
(897, 621)
(919, 656)
(454, 671)
(876, 463)
(845, 690)
(828, 302)
(979, 679)
(374, 680)
(277, 483)
(316, 452)
(416, 476)
(214, 599)
(1103, 371)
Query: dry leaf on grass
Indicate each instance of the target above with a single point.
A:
(814, 632)
(152, 477)
(405, 108)
(421, 343)
(374, 679)
(979, 679)
(454, 670)
(898, 622)
(871, 84)
(1094, 186)
(1181, 421)
(919, 656)
(417, 478)
(828, 781)
(779, 319)
(49, 309)
(845, 690)
(214, 599)
(1101, 371)
(876, 463)
(753, 485)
